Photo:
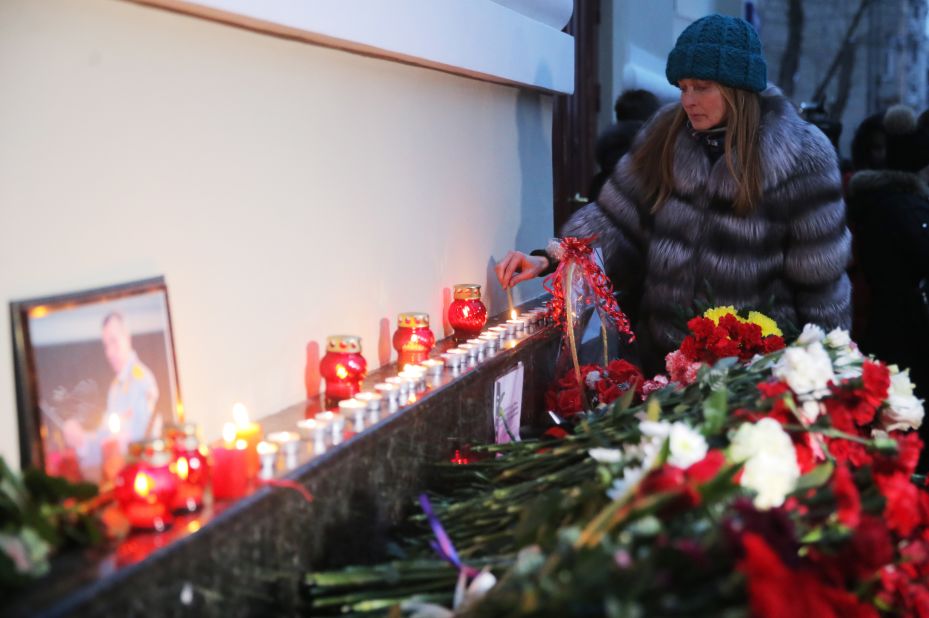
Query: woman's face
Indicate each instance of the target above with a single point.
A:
(703, 102)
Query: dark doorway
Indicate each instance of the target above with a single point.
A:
(574, 122)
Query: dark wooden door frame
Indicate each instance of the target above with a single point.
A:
(574, 118)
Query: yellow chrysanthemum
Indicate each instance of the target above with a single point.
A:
(717, 312)
(768, 326)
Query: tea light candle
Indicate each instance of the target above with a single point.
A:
(480, 344)
(312, 431)
(433, 367)
(389, 391)
(491, 341)
(371, 400)
(414, 375)
(403, 387)
(288, 444)
(470, 350)
(454, 358)
(230, 466)
(250, 433)
(503, 332)
(516, 326)
(267, 452)
(354, 411)
(335, 425)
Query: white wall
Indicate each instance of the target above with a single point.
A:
(286, 191)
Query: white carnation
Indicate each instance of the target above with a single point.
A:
(810, 410)
(903, 410)
(848, 363)
(592, 378)
(807, 370)
(838, 338)
(770, 468)
(811, 334)
(686, 446)
(606, 455)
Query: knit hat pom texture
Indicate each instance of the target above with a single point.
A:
(722, 49)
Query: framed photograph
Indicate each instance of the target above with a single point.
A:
(95, 372)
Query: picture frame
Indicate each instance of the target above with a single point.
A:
(95, 371)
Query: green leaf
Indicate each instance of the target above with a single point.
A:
(715, 409)
(817, 477)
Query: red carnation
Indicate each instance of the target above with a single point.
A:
(848, 501)
(707, 468)
(772, 343)
(776, 591)
(608, 391)
(625, 372)
(570, 401)
(901, 497)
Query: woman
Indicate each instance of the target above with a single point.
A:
(728, 198)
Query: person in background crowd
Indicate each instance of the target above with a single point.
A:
(632, 108)
(727, 198)
(889, 209)
(636, 105)
(869, 152)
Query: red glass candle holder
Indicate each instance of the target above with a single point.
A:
(413, 340)
(146, 487)
(343, 367)
(192, 467)
(467, 314)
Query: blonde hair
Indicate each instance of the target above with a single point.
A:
(654, 160)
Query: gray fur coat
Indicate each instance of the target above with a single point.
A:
(787, 258)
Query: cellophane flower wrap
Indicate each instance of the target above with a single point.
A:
(595, 331)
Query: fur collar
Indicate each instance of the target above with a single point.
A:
(893, 181)
(788, 144)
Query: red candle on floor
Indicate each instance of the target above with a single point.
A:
(413, 340)
(145, 488)
(343, 367)
(230, 466)
(467, 314)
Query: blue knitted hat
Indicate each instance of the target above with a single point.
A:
(721, 49)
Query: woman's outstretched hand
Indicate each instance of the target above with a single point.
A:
(516, 267)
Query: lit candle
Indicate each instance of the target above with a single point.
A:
(250, 433)
(455, 358)
(191, 465)
(355, 412)
(433, 367)
(267, 452)
(230, 466)
(112, 449)
(334, 425)
(467, 314)
(344, 368)
(145, 488)
(311, 430)
(414, 375)
(289, 444)
(403, 387)
(371, 400)
(413, 340)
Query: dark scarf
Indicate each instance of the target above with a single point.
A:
(713, 140)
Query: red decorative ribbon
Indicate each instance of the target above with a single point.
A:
(297, 487)
(579, 251)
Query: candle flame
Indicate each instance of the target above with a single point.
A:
(183, 468)
(143, 484)
(113, 423)
(341, 372)
(512, 314)
(180, 411)
(240, 414)
(228, 433)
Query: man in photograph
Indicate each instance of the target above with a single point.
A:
(132, 396)
(133, 391)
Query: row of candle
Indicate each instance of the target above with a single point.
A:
(166, 477)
